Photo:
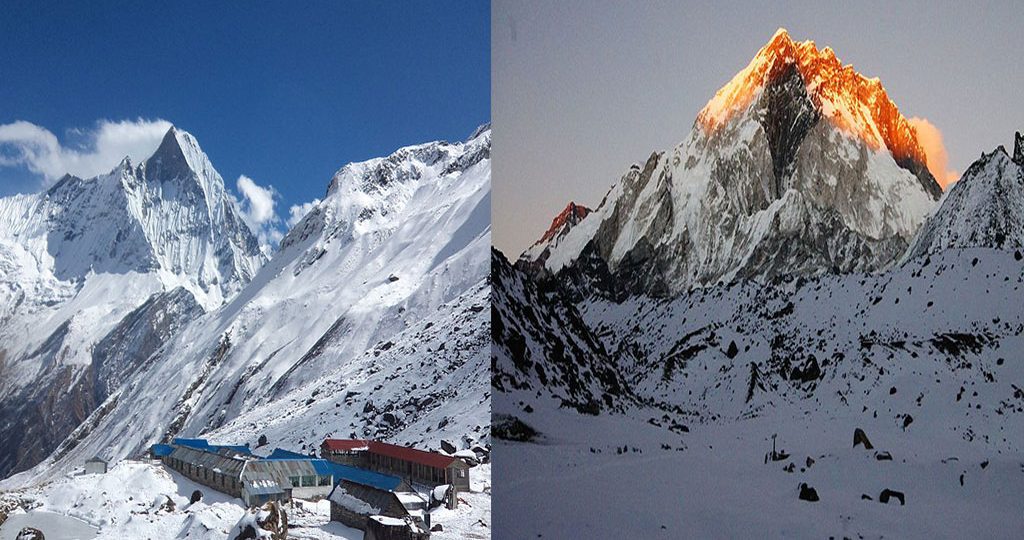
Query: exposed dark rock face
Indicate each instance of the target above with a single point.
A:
(788, 114)
(809, 372)
(30, 533)
(40, 417)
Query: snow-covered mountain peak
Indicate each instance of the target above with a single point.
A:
(857, 105)
(984, 209)
(799, 165)
(410, 163)
(565, 220)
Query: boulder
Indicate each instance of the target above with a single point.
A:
(30, 533)
(886, 494)
(448, 447)
(809, 372)
(268, 521)
(859, 437)
(807, 493)
(883, 456)
(482, 454)
(196, 497)
(167, 505)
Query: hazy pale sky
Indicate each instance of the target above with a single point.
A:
(582, 89)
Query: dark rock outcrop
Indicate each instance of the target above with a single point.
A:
(807, 493)
(859, 437)
(1018, 149)
(30, 533)
(887, 494)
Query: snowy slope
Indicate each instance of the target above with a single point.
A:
(540, 343)
(373, 309)
(79, 258)
(799, 165)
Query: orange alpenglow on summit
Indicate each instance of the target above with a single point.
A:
(568, 217)
(857, 105)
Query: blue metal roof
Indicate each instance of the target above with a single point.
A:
(357, 475)
(281, 453)
(339, 471)
(240, 448)
(198, 444)
(161, 450)
(202, 444)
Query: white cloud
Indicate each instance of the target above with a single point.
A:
(934, 148)
(257, 210)
(299, 211)
(103, 147)
(259, 200)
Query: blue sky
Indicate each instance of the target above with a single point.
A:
(284, 94)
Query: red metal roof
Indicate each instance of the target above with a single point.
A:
(430, 459)
(346, 445)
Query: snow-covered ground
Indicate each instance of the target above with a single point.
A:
(924, 358)
(472, 518)
(129, 501)
(713, 482)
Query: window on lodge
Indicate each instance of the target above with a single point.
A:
(309, 480)
(295, 480)
(323, 480)
(460, 473)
